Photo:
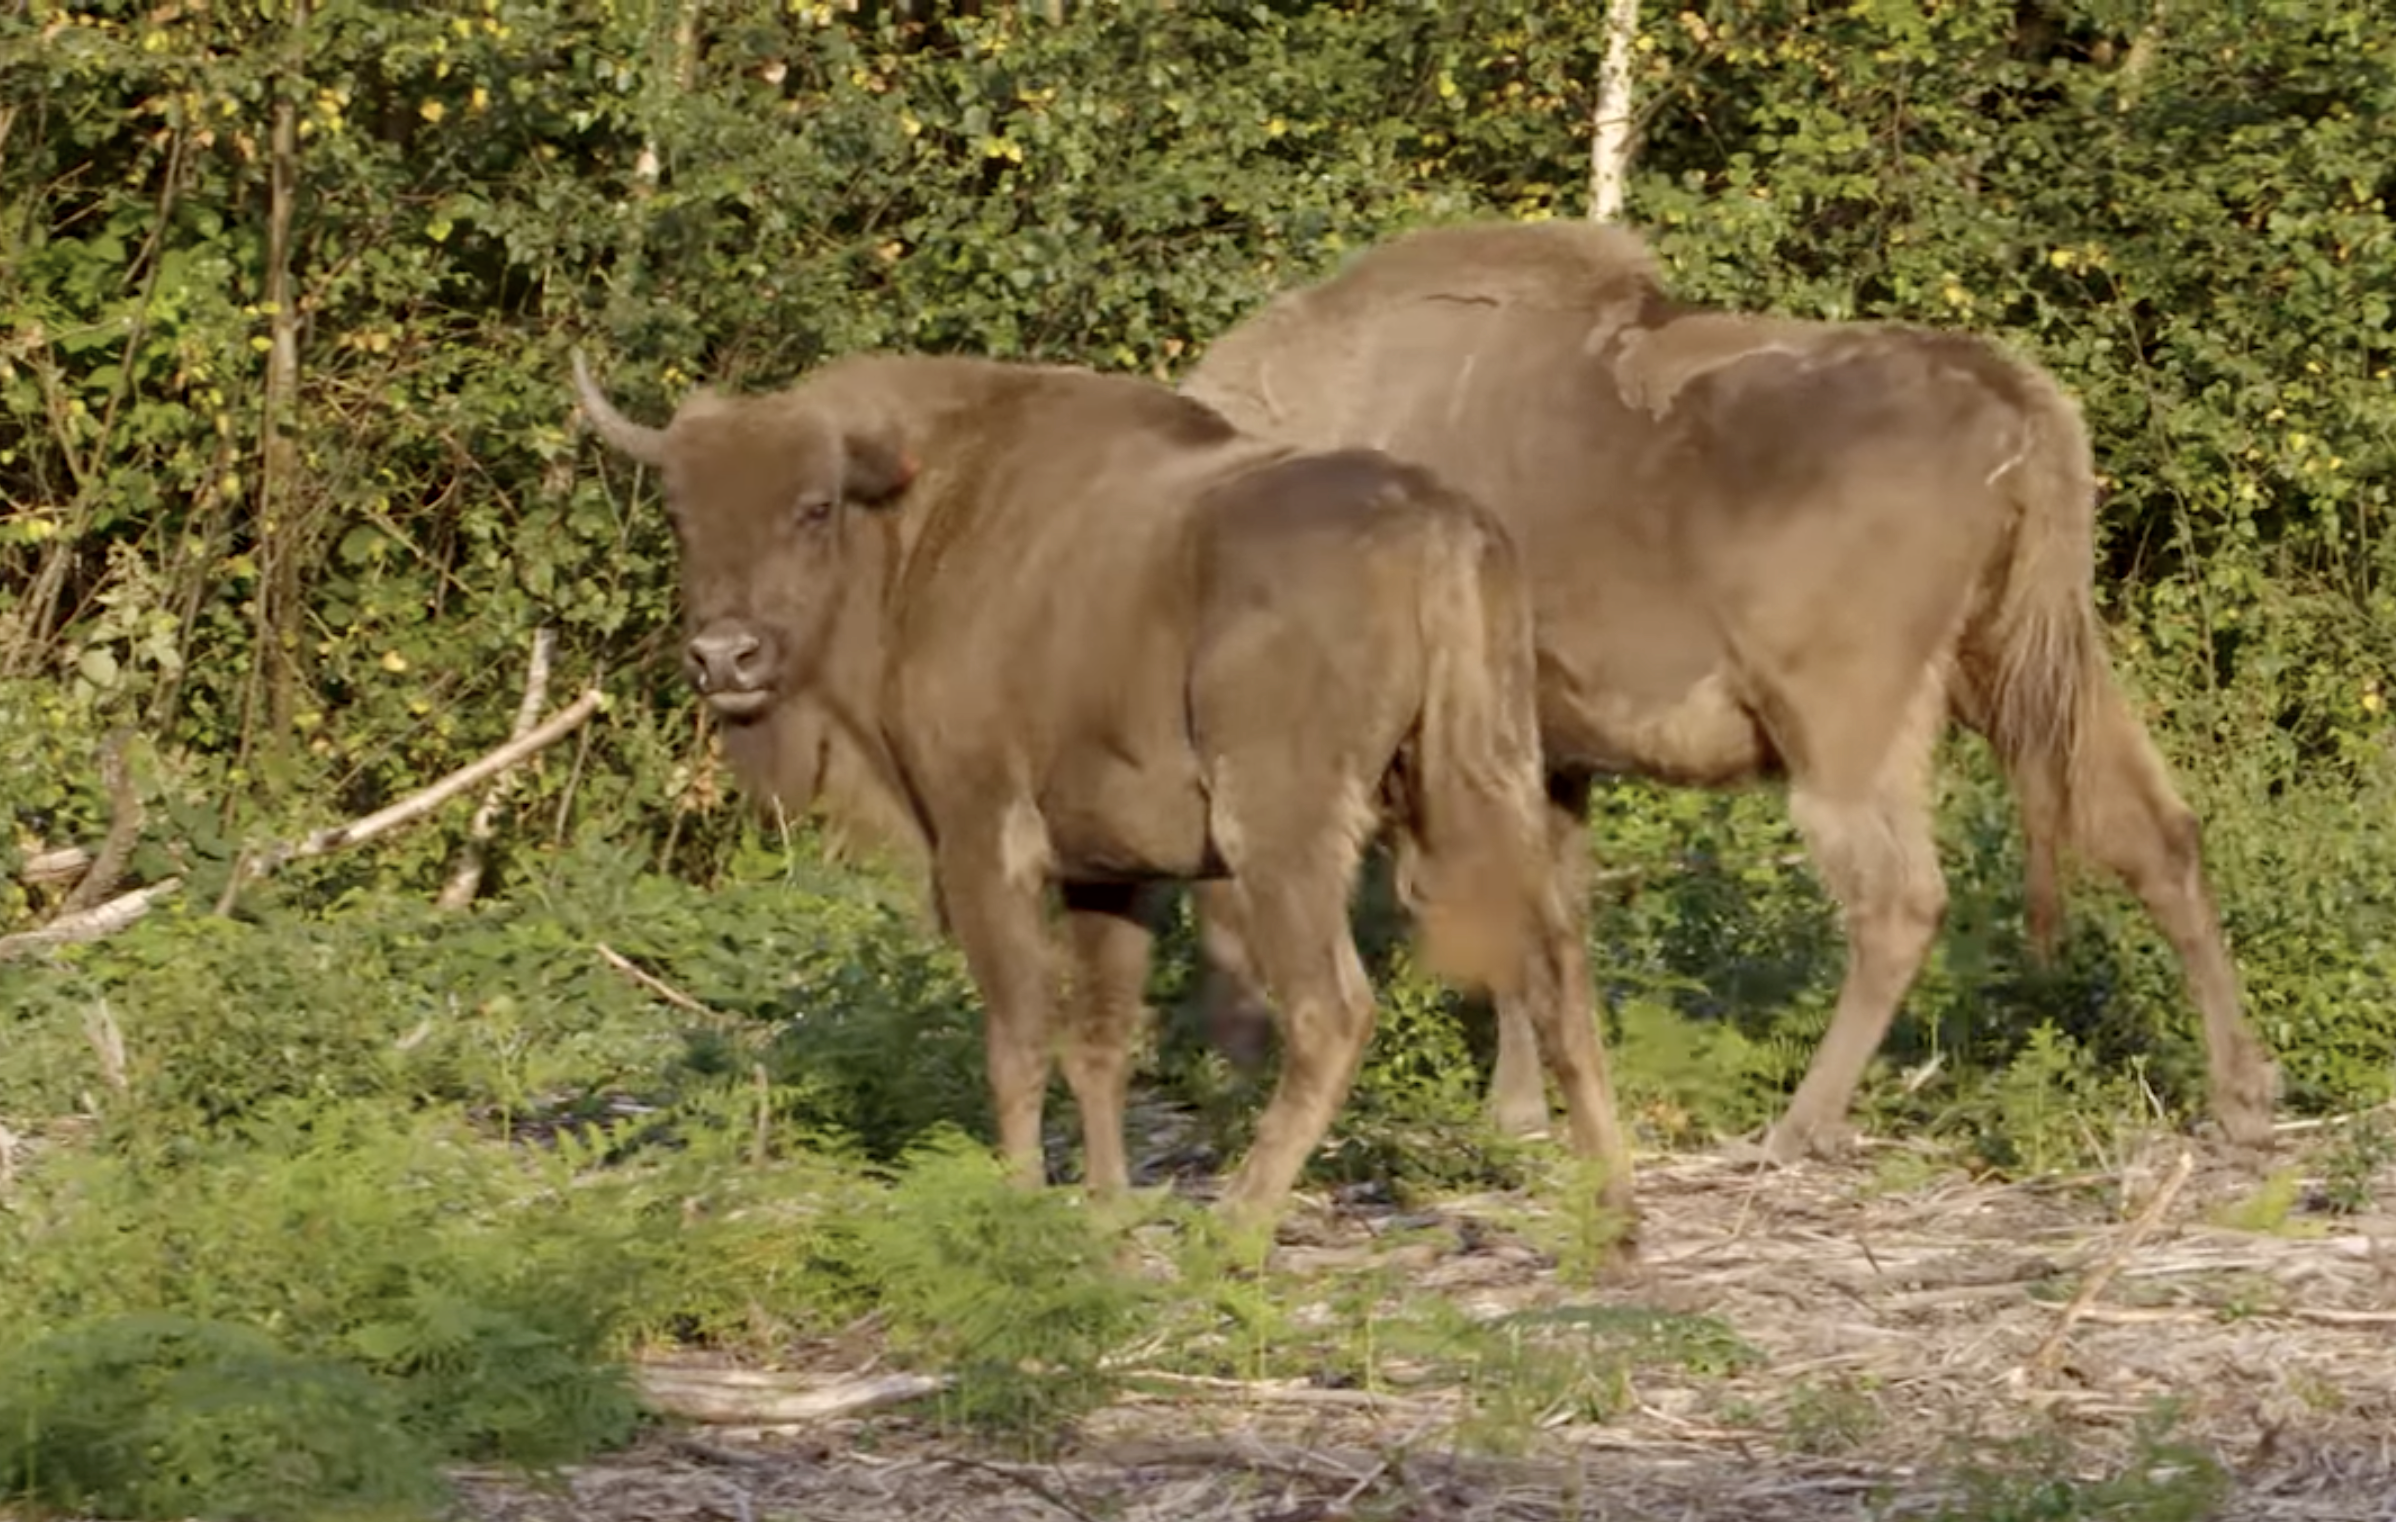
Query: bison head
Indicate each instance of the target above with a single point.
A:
(759, 490)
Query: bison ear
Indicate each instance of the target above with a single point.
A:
(878, 470)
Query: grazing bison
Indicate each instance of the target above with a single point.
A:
(1760, 547)
(1047, 626)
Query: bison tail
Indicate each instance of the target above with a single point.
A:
(2049, 652)
(1473, 862)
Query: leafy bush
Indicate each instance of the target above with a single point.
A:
(1015, 1295)
(152, 1415)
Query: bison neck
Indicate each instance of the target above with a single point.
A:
(1039, 634)
(823, 748)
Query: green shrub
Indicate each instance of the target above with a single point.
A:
(1017, 1296)
(163, 1415)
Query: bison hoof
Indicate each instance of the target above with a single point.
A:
(1793, 1141)
(1521, 1122)
(2243, 1107)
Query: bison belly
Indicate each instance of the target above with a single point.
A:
(1118, 818)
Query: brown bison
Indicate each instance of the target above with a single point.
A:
(1759, 547)
(1055, 627)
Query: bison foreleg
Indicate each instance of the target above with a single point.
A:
(1868, 826)
(994, 915)
(1109, 929)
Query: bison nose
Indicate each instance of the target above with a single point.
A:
(726, 660)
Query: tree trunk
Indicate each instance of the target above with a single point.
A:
(2140, 61)
(276, 671)
(1610, 142)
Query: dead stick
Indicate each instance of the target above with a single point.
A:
(62, 865)
(124, 827)
(765, 1114)
(90, 925)
(1017, 1475)
(459, 891)
(654, 983)
(108, 1043)
(694, 1394)
(2050, 1350)
(416, 805)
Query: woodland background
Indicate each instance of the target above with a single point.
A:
(288, 488)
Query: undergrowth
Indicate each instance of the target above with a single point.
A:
(2164, 1479)
(376, 1190)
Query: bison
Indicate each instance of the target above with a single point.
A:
(1758, 547)
(1052, 628)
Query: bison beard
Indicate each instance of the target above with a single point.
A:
(1272, 656)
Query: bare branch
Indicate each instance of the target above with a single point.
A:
(743, 1396)
(273, 693)
(2043, 1361)
(45, 869)
(2140, 61)
(124, 827)
(108, 1043)
(91, 924)
(459, 891)
(418, 804)
(653, 983)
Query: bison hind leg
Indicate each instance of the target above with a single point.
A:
(1294, 849)
(2133, 822)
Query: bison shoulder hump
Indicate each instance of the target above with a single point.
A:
(1187, 421)
(1356, 477)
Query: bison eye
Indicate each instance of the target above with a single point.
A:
(811, 510)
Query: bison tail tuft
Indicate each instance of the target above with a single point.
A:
(1474, 867)
(2049, 650)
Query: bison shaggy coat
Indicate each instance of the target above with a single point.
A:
(1071, 630)
(1761, 547)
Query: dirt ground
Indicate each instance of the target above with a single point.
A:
(1910, 1334)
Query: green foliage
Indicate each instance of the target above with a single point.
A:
(1526, 1369)
(2365, 1145)
(1015, 1295)
(1415, 1120)
(2163, 1481)
(152, 1415)
(355, 1233)
(2051, 1109)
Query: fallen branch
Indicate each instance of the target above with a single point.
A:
(459, 891)
(91, 924)
(565, 721)
(124, 825)
(1021, 1475)
(721, 1397)
(2043, 1361)
(2164, 1315)
(654, 983)
(45, 869)
(1267, 1392)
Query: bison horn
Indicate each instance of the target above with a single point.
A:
(645, 444)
